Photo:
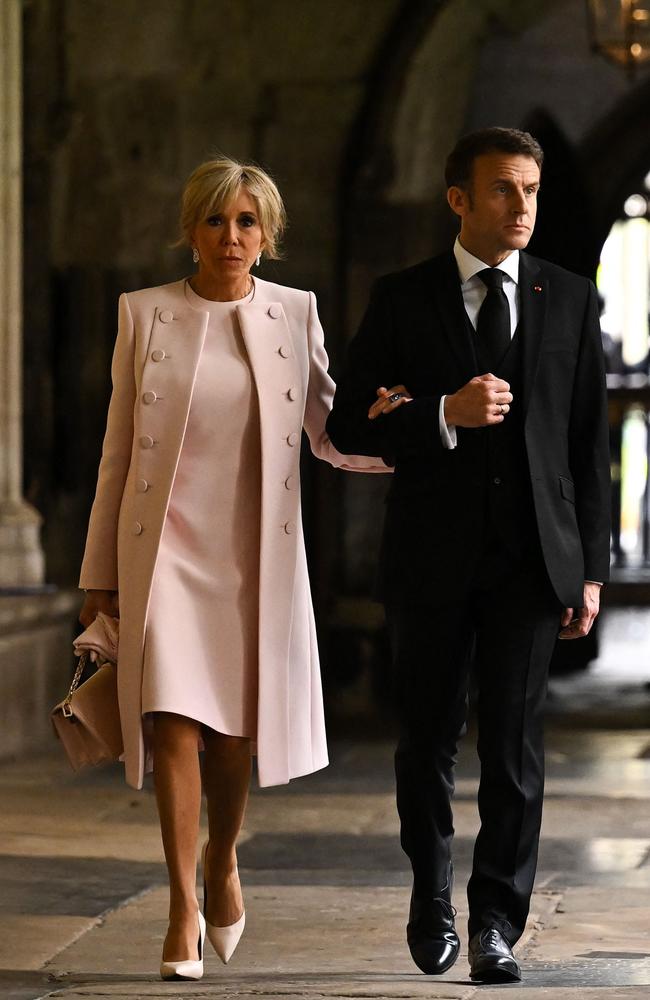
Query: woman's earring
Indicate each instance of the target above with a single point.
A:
(195, 255)
(257, 262)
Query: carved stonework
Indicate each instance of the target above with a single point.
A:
(21, 557)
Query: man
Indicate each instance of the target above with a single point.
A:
(496, 532)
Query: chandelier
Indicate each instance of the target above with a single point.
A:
(620, 31)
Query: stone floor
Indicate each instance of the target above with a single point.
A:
(83, 898)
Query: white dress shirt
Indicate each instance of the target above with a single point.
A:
(474, 292)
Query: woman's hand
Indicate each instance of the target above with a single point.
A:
(96, 601)
(389, 399)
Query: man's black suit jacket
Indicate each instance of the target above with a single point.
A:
(415, 331)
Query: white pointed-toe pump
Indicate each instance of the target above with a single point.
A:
(224, 940)
(188, 968)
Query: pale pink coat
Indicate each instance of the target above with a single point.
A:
(159, 343)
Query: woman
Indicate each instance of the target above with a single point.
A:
(196, 526)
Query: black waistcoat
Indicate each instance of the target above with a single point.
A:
(499, 452)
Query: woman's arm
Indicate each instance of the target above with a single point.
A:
(320, 393)
(99, 567)
(96, 601)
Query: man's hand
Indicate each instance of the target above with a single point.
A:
(575, 628)
(483, 401)
(99, 600)
(386, 402)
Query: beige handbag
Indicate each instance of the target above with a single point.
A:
(87, 721)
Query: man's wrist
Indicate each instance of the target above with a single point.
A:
(447, 433)
(447, 411)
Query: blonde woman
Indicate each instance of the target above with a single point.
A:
(195, 536)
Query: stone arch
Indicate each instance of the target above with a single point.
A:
(565, 231)
(615, 157)
(392, 206)
(416, 105)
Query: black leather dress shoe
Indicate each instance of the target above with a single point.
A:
(431, 935)
(491, 959)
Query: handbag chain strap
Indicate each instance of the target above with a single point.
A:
(66, 707)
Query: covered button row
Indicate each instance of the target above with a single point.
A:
(141, 486)
(289, 528)
(146, 441)
(274, 311)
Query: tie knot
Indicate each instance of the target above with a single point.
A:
(492, 278)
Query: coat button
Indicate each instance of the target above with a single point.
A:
(289, 528)
(275, 311)
(166, 316)
(292, 439)
(291, 394)
(497, 481)
(137, 528)
(142, 486)
(146, 441)
(284, 352)
(149, 397)
(290, 483)
(158, 355)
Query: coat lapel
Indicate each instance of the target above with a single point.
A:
(169, 374)
(534, 293)
(169, 356)
(271, 352)
(281, 396)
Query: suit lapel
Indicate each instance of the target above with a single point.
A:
(448, 298)
(534, 293)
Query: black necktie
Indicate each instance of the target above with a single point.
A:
(493, 325)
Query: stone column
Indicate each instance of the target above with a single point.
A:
(21, 556)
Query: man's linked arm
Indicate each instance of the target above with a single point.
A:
(373, 360)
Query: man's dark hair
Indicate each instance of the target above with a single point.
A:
(460, 162)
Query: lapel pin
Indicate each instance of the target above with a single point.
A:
(537, 288)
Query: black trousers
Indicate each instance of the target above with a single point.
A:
(506, 621)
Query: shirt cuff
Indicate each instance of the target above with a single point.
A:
(447, 433)
(598, 583)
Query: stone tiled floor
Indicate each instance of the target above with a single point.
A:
(83, 902)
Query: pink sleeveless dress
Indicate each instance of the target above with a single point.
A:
(201, 643)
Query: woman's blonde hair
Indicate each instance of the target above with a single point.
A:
(215, 183)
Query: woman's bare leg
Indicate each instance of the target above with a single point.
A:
(226, 778)
(177, 780)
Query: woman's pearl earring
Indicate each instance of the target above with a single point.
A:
(195, 255)
(257, 262)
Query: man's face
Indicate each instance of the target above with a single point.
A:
(498, 209)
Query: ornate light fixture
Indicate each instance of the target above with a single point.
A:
(620, 31)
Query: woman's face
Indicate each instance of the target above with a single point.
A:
(229, 240)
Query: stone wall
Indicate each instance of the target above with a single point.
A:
(36, 666)
(352, 106)
(123, 99)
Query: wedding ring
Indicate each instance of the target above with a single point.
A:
(395, 396)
